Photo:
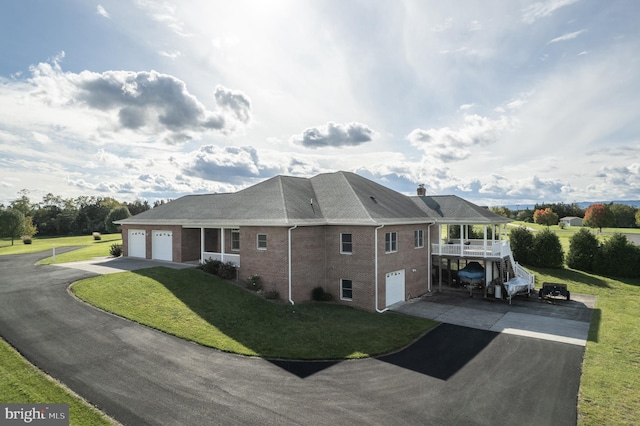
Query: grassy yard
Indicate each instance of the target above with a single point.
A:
(205, 309)
(90, 248)
(22, 383)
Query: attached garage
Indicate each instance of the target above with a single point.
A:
(137, 243)
(395, 287)
(162, 245)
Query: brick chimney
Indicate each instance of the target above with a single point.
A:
(421, 190)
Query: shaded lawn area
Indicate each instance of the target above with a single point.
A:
(610, 383)
(205, 309)
(90, 248)
(22, 383)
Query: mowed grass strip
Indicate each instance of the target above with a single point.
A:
(90, 247)
(205, 309)
(22, 383)
(610, 384)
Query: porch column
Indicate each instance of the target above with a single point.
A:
(222, 245)
(485, 239)
(201, 245)
(462, 232)
(440, 240)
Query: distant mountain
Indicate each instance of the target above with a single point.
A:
(581, 204)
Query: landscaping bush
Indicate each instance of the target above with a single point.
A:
(210, 266)
(26, 240)
(227, 271)
(96, 236)
(583, 249)
(319, 295)
(115, 250)
(253, 283)
(618, 257)
(546, 251)
(521, 243)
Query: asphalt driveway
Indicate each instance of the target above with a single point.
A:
(453, 375)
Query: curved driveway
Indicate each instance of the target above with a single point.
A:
(453, 375)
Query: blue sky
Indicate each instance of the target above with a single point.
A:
(500, 102)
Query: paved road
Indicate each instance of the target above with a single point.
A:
(453, 375)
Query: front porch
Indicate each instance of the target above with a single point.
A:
(221, 244)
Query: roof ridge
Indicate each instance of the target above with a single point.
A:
(355, 194)
(284, 199)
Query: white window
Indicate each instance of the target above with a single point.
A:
(235, 239)
(346, 243)
(346, 289)
(391, 242)
(262, 241)
(418, 237)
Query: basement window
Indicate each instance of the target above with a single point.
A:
(346, 290)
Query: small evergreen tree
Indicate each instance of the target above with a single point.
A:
(547, 250)
(618, 257)
(521, 240)
(583, 249)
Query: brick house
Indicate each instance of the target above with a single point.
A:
(367, 245)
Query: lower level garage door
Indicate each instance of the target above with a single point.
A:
(395, 287)
(162, 245)
(137, 243)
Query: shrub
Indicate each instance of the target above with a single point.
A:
(618, 257)
(26, 239)
(318, 294)
(97, 236)
(253, 283)
(561, 225)
(583, 249)
(210, 266)
(521, 243)
(547, 250)
(115, 250)
(227, 271)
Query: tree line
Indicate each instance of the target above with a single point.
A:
(598, 215)
(55, 215)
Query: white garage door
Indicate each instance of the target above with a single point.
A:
(137, 243)
(395, 287)
(162, 245)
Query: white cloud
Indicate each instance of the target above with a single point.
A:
(565, 37)
(102, 11)
(540, 10)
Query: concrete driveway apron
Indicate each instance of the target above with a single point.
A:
(453, 375)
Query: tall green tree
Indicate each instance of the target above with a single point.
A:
(623, 216)
(116, 214)
(23, 204)
(521, 240)
(11, 224)
(547, 250)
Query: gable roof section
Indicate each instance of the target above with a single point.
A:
(340, 198)
(455, 210)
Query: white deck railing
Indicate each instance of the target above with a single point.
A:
(223, 257)
(472, 248)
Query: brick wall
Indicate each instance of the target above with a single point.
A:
(271, 264)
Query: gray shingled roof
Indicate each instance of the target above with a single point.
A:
(326, 199)
(453, 209)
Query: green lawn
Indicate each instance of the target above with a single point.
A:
(90, 248)
(205, 309)
(22, 383)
